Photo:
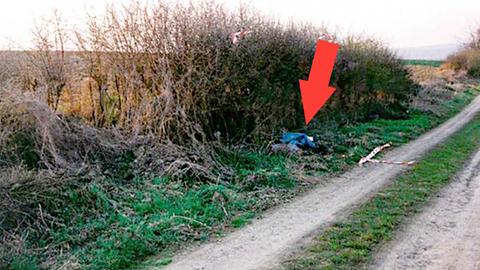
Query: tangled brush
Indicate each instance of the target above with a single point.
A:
(35, 136)
(32, 135)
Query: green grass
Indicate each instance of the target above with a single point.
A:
(433, 63)
(115, 223)
(255, 169)
(112, 224)
(351, 243)
(118, 223)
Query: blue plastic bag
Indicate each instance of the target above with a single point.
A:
(298, 139)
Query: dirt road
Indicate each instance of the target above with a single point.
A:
(262, 244)
(445, 235)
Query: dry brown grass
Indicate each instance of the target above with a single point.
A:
(35, 134)
(468, 59)
(32, 135)
(438, 84)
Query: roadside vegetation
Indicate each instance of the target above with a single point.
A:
(112, 223)
(351, 243)
(156, 131)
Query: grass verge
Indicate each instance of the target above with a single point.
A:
(351, 243)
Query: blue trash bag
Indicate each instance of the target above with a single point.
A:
(298, 139)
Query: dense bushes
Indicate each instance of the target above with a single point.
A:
(174, 72)
(370, 80)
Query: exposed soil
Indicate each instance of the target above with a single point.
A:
(445, 235)
(264, 243)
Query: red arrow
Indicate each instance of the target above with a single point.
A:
(315, 92)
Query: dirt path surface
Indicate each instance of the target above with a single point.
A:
(445, 235)
(262, 244)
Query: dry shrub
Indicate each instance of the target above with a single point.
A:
(14, 70)
(474, 40)
(19, 214)
(467, 60)
(49, 59)
(186, 164)
(33, 135)
(172, 71)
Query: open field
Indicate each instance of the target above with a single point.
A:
(433, 63)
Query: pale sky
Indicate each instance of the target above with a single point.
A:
(399, 23)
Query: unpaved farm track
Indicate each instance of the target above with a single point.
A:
(445, 235)
(263, 244)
